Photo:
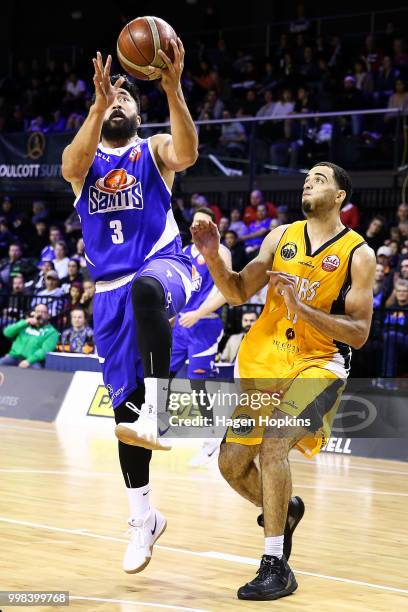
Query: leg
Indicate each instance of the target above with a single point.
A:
(8, 360)
(236, 463)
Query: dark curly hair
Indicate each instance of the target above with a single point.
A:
(128, 86)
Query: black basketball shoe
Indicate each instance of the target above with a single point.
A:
(274, 579)
(296, 510)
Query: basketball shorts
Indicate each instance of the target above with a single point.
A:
(115, 325)
(312, 396)
(198, 344)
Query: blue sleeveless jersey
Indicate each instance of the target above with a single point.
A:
(203, 284)
(125, 212)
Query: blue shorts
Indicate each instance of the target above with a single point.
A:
(198, 344)
(115, 325)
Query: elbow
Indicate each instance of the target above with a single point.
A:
(188, 161)
(359, 340)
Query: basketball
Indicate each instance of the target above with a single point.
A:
(139, 43)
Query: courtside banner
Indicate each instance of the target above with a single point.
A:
(36, 395)
(32, 161)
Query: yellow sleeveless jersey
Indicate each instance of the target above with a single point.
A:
(275, 347)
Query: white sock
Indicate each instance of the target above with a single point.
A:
(139, 501)
(151, 391)
(274, 546)
(156, 390)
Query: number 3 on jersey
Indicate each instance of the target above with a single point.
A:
(117, 236)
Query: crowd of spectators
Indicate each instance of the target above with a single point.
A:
(43, 271)
(43, 264)
(303, 72)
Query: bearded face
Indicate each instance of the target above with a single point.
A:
(118, 126)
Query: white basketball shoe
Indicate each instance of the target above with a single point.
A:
(143, 534)
(143, 432)
(207, 453)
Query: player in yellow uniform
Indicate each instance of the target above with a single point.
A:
(319, 304)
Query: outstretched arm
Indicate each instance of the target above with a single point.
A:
(236, 287)
(353, 327)
(180, 150)
(78, 156)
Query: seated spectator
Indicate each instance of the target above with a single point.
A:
(233, 139)
(363, 78)
(236, 225)
(6, 237)
(74, 275)
(401, 274)
(351, 99)
(257, 231)
(40, 212)
(79, 337)
(39, 282)
(223, 226)
(385, 80)
(399, 99)
(72, 225)
(58, 123)
(402, 212)
(350, 216)
(79, 255)
(213, 106)
(229, 354)
(39, 241)
(282, 217)
(23, 230)
(74, 301)
(6, 210)
(61, 260)
(75, 88)
(200, 201)
(55, 236)
(374, 234)
(383, 257)
(380, 287)
(74, 122)
(33, 338)
(250, 213)
(87, 299)
(238, 254)
(396, 331)
(267, 108)
(50, 293)
(15, 306)
(15, 263)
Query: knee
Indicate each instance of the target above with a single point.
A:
(224, 462)
(148, 293)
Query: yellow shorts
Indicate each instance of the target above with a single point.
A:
(312, 395)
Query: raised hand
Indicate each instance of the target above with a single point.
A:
(105, 92)
(206, 237)
(171, 74)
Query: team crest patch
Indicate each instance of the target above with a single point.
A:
(330, 263)
(288, 251)
(135, 153)
(244, 427)
(200, 260)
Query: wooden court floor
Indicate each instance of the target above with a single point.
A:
(63, 513)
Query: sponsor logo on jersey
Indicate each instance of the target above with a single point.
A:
(135, 153)
(196, 279)
(288, 251)
(307, 264)
(330, 263)
(116, 191)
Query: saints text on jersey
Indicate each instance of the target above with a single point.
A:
(117, 190)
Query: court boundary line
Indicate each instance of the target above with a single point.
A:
(135, 603)
(206, 554)
(83, 474)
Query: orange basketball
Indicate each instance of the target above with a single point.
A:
(139, 43)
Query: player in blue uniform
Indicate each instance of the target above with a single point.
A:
(198, 330)
(123, 186)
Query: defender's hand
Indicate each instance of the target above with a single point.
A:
(206, 237)
(105, 92)
(171, 75)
